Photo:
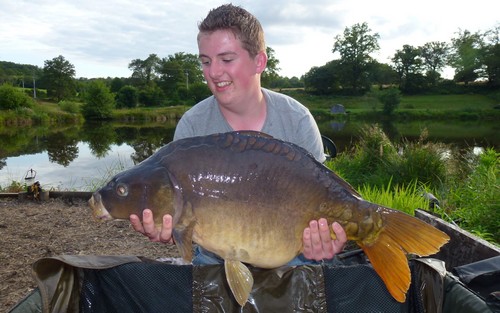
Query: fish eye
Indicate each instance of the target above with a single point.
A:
(121, 190)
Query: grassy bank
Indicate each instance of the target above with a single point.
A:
(424, 107)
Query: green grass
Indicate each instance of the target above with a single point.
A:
(421, 107)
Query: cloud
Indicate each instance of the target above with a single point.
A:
(101, 37)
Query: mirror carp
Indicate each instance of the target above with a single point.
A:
(248, 197)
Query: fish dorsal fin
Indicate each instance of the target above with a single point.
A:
(240, 280)
(254, 133)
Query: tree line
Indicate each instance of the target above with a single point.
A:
(178, 78)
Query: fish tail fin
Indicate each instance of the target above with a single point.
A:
(402, 234)
(240, 280)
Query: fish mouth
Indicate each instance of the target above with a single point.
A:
(98, 210)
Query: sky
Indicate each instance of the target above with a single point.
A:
(100, 38)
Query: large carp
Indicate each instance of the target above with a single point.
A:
(248, 197)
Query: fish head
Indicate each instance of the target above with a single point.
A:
(145, 186)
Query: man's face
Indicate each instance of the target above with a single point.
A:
(230, 71)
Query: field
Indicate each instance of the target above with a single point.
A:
(32, 230)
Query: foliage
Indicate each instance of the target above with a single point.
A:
(59, 76)
(179, 71)
(270, 74)
(99, 101)
(19, 74)
(375, 160)
(14, 186)
(198, 92)
(152, 96)
(127, 97)
(323, 80)
(69, 106)
(473, 198)
(404, 198)
(465, 56)
(468, 186)
(145, 71)
(390, 99)
(434, 58)
(355, 46)
(12, 98)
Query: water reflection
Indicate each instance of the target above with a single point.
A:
(82, 152)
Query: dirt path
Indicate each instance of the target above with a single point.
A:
(31, 230)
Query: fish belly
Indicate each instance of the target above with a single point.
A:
(258, 236)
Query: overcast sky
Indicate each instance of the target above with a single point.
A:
(100, 38)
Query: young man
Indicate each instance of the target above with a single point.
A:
(233, 56)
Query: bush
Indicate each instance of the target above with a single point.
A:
(69, 106)
(473, 202)
(12, 98)
(99, 101)
(390, 99)
(127, 97)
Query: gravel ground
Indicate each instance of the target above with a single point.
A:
(30, 230)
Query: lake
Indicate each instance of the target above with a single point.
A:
(83, 158)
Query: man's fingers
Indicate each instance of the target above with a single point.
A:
(340, 241)
(166, 230)
(326, 239)
(136, 223)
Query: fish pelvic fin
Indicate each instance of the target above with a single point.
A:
(402, 234)
(240, 280)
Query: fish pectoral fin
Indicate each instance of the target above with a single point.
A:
(240, 280)
(184, 223)
(183, 240)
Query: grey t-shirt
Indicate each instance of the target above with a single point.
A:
(286, 119)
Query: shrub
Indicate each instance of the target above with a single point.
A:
(473, 202)
(69, 106)
(127, 97)
(99, 101)
(12, 98)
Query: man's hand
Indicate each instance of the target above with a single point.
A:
(318, 244)
(148, 228)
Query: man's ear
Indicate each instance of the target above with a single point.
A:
(260, 62)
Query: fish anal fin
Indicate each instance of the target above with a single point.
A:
(240, 280)
(184, 222)
(391, 264)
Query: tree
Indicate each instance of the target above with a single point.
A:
(179, 71)
(270, 74)
(382, 74)
(465, 56)
(355, 47)
(127, 97)
(145, 71)
(490, 56)
(59, 77)
(408, 64)
(99, 101)
(434, 56)
(324, 79)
